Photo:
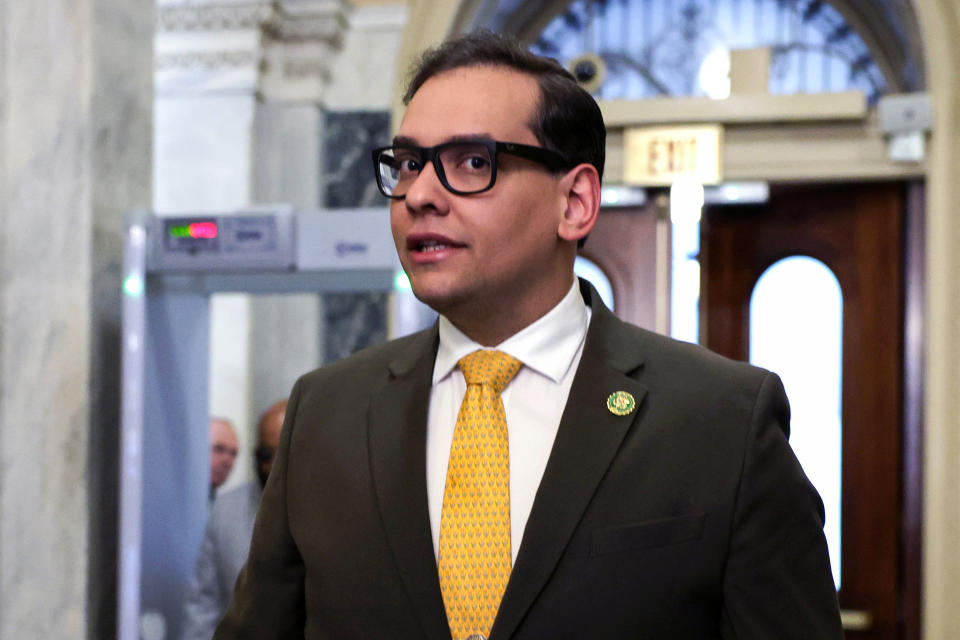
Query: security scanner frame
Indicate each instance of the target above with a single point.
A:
(172, 267)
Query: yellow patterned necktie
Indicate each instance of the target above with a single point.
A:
(474, 558)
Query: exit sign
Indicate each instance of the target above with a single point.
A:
(657, 156)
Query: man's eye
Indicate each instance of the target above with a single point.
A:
(475, 162)
(408, 165)
(478, 162)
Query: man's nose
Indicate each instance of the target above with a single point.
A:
(426, 192)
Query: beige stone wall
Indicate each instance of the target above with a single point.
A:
(940, 26)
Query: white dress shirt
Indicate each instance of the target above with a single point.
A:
(550, 350)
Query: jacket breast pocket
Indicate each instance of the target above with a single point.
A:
(647, 535)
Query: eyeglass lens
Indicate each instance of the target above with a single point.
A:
(463, 167)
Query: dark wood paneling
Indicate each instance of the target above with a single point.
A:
(624, 245)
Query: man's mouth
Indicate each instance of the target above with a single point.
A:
(430, 243)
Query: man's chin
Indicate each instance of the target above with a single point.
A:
(439, 299)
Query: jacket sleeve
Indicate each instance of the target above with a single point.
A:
(777, 582)
(268, 601)
(204, 604)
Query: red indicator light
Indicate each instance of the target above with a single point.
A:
(203, 230)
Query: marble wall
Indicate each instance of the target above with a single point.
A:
(257, 105)
(365, 71)
(352, 321)
(243, 120)
(229, 376)
(237, 127)
(202, 159)
(76, 154)
(348, 137)
(286, 154)
(203, 164)
(121, 158)
(357, 119)
(285, 342)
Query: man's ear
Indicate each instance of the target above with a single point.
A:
(583, 202)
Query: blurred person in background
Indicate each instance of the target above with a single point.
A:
(223, 452)
(226, 540)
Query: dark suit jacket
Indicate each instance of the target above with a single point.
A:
(688, 518)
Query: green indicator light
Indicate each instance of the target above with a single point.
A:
(133, 285)
(180, 231)
(401, 282)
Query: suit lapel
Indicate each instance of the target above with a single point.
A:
(397, 440)
(588, 438)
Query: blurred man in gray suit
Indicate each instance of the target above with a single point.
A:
(223, 452)
(226, 541)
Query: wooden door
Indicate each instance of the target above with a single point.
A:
(857, 231)
(629, 245)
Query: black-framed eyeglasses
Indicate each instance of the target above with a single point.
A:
(464, 167)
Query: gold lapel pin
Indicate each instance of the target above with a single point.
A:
(620, 403)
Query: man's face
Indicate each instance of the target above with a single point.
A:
(223, 451)
(268, 440)
(493, 250)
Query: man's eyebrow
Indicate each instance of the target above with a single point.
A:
(405, 141)
(468, 137)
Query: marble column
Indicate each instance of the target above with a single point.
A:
(239, 87)
(207, 76)
(75, 109)
(244, 91)
(940, 22)
(352, 321)
(358, 118)
(284, 344)
(284, 329)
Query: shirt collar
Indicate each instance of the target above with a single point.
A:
(547, 346)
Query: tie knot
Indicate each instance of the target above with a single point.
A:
(495, 368)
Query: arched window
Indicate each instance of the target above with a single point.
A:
(658, 48)
(796, 330)
(588, 270)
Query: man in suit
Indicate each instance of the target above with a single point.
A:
(226, 539)
(652, 492)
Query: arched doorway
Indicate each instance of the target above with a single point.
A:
(934, 329)
(659, 54)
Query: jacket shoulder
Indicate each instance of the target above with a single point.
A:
(371, 363)
(680, 365)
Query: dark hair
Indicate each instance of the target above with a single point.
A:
(567, 119)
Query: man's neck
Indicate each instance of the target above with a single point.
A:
(492, 326)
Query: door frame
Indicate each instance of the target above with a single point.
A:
(908, 617)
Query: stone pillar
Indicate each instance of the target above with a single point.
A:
(940, 22)
(75, 109)
(284, 329)
(284, 344)
(239, 118)
(357, 120)
(352, 321)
